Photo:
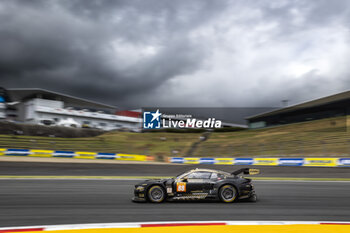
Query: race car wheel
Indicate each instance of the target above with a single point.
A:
(156, 194)
(227, 193)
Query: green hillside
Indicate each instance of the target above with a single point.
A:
(327, 137)
(114, 142)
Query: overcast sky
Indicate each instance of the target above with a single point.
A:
(168, 53)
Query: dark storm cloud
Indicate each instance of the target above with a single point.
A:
(68, 45)
(176, 53)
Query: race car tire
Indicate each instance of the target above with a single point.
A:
(156, 194)
(227, 193)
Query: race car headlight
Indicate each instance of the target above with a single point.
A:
(140, 188)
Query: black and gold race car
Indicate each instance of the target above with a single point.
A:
(198, 184)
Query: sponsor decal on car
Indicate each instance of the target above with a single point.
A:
(181, 187)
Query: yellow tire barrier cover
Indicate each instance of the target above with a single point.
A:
(85, 155)
(328, 162)
(191, 160)
(266, 161)
(2, 151)
(41, 153)
(131, 157)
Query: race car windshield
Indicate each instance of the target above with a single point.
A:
(187, 172)
(224, 173)
(181, 174)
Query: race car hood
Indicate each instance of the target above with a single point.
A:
(246, 171)
(153, 181)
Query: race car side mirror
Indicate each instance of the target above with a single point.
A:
(253, 171)
(184, 179)
(246, 171)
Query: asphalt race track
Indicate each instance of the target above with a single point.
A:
(90, 169)
(45, 202)
(42, 202)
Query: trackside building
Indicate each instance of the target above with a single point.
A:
(326, 107)
(39, 106)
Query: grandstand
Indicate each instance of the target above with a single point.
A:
(44, 107)
(326, 107)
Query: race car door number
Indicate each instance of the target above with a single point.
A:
(181, 187)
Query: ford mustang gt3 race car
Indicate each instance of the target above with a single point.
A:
(198, 184)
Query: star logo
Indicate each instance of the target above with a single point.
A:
(151, 120)
(156, 115)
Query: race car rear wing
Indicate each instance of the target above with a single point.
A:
(246, 171)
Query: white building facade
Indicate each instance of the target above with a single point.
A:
(52, 112)
(37, 106)
(2, 111)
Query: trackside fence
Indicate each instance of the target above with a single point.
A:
(73, 154)
(318, 162)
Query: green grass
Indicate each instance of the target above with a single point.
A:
(157, 144)
(327, 137)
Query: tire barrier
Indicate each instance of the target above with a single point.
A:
(317, 162)
(73, 154)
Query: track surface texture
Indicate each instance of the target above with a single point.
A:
(45, 202)
(84, 169)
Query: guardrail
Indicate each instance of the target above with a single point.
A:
(73, 154)
(318, 162)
